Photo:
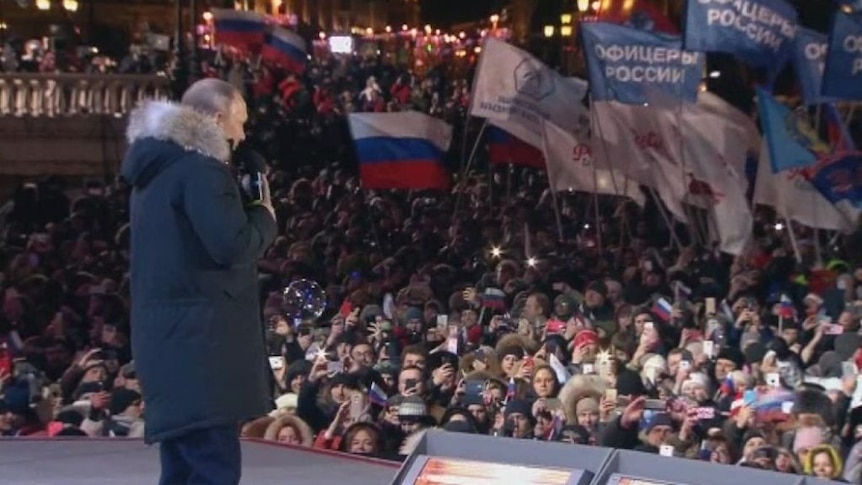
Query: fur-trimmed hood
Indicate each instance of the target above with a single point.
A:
(305, 433)
(577, 388)
(185, 129)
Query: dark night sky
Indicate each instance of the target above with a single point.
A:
(448, 12)
(813, 13)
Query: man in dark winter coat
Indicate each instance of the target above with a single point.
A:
(197, 338)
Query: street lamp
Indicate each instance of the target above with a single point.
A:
(549, 31)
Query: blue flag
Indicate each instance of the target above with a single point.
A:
(787, 134)
(759, 32)
(625, 62)
(795, 146)
(842, 76)
(809, 59)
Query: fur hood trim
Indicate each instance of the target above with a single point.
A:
(577, 388)
(190, 129)
(305, 433)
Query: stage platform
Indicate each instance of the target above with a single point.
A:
(28, 461)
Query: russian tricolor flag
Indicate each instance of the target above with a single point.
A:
(503, 147)
(662, 309)
(285, 48)
(786, 308)
(239, 28)
(494, 298)
(401, 150)
(377, 395)
(511, 390)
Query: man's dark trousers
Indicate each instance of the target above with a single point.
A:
(209, 456)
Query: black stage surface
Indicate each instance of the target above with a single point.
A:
(131, 462)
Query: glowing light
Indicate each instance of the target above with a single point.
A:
(566, 30)
(43, 4)
(70, 5)
(531, 262)
(779, 226)
(496, 252)
(566, 18)
(322, 35)
(715, 74)
(549, 31)
(388, 29)
(586, 225)
(404, 27)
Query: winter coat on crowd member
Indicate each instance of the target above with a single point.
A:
(196, 332)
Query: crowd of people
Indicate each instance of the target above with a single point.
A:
(466, 311)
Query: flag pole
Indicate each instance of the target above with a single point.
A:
(793, 241)
(551, 185)
(650, 189)
(469, 164)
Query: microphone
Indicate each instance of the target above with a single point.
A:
(251, 164)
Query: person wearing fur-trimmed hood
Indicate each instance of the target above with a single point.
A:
(197, 337)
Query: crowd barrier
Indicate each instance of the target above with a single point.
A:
(64, 94)
(464, 458)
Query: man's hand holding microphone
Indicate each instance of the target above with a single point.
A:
(255, 186)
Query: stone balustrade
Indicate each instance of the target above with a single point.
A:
(38, 95)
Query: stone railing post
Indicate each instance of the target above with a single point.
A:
(67, 94)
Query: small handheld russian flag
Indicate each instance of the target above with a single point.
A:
(511, 390)
(662, 309)
(786, 308)
(494, 299)
(377, 396)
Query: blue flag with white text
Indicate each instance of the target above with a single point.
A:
(624, 63)
(758, 32)
(842, 75)
(809, 60)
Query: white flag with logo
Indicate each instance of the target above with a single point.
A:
(628, 138)
(795, 198)
(518, 92)
(711, 151)
(571, 166)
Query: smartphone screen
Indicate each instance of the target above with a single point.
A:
(357, 406)
(655, 405)
(276, 363)
(710, 306)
